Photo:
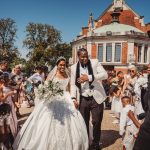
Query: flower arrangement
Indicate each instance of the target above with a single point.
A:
(48, 90)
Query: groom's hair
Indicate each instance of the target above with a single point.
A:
(81, 50)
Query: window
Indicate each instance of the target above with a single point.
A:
(145, 54)
(100, 52)
(117, 52)
(109, 52)
(139, 53)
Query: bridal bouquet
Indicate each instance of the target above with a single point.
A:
(49, 90)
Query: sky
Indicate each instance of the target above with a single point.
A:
(67, 16)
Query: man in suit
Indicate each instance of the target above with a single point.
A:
(88, 93)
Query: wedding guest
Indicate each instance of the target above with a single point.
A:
(36, 79)
(129, 84)
(37, 76)
(16, 78)
(4, 66)
(128, 124)
(143, 140)
(8, 119)
(116, 107)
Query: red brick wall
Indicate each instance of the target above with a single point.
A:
(106, 19)
(94, 51)
(126, 17)
(84, 31)
(148, 27)
(124, 52)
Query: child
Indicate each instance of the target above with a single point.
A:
(128, 124)
(115, 92)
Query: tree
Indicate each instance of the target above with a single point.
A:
(7, 33)
(64, 49)
(44, 44)
(7, 38)
(41, 36)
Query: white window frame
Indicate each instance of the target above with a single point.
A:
(120, 52)
(100, 44)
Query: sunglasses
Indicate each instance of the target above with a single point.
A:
(133, 71)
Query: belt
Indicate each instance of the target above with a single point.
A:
(87, 98)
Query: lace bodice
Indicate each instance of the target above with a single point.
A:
(63, 82)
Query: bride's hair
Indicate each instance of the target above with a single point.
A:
(59, 59)
(54, 70)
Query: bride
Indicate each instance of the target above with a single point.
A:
(56, 124)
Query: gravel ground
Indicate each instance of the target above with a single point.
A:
(110, 138)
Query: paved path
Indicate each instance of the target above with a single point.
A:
(110, 137)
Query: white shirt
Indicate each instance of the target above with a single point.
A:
(85, 90)
(124, 119)
(36, 77)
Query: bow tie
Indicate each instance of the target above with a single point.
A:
(83, 65)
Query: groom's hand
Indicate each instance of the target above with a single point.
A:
(83, 78)
(76, 103)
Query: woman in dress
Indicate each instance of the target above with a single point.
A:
(8, 119)
(54, 124)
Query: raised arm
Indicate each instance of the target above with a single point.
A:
(3, 98)
(132, 117)
(101, 73)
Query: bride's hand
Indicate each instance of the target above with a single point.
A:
(76, 103)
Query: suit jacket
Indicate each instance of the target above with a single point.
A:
(99, 75)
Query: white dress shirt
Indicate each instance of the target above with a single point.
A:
(85, 90)
(124, 119)
(36, 77)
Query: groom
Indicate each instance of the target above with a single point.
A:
(88, 93)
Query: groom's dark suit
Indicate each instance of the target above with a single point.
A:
(90, 94)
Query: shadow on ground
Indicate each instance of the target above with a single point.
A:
(23, 118)
(109, 137)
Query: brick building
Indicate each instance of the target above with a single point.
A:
(118, 37)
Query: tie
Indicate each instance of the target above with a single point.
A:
(83, 65)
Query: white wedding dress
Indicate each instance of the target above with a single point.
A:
(54, 125)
